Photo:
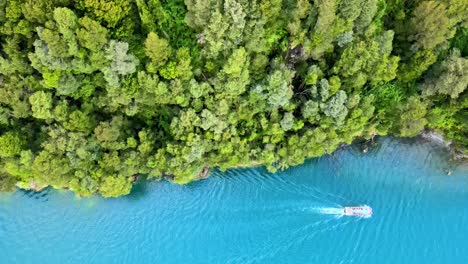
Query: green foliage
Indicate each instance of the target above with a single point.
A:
(416, 65)
(310, 111)
(279, 90)
(7, 183)
(39, 11)
(95, 92)
(105, 11)
(450, 77)
(460, 41)
(411, 119)
(368, 61)
(114, 186)
(443, 118)
(323, 30)
(157, 49)
(287, 122)
(450, 119)
(41, 104)
(336, 108)
(91, 35)
(388, 95)
(351, 9)
(10, 145)
(429, 25)
(121, 62)
(168, 19)
(369, 9)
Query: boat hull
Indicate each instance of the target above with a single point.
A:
(361, 211)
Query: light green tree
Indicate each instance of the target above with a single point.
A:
(41, 104)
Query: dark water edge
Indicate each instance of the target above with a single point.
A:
(360, 147)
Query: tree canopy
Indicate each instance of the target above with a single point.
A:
(96, 92)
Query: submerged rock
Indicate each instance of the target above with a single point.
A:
(204, 173)
(458, 153)
(433, 136)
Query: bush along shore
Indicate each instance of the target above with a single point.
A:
(94, 92)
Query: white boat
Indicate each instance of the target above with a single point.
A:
(361, 211)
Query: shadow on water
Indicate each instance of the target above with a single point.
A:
(196, 184)
(139, 189)
(363, 146)
(42, 195)
(359, 147)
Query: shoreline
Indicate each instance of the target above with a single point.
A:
(434, 136)
(458, 155)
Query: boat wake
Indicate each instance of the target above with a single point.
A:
(337, 211)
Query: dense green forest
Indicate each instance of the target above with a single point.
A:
(94, 92)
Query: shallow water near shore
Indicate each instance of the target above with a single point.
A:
(251, 216)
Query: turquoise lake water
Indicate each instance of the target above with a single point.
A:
(251, 216)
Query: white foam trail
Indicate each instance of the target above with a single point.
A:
(338, 211)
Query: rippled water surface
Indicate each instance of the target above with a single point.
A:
(250, 216)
